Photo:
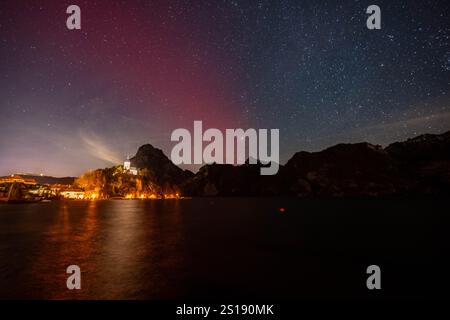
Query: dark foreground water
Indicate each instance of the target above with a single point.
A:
(225, 248)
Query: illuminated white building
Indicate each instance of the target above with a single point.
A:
(128, 168)
(74, 194)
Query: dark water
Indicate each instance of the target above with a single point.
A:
(225, 248)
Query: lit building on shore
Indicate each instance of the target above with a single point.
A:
(128, 168)
(17, 179)
(73, 194)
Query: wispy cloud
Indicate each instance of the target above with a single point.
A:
(96, 147)
(417, 122)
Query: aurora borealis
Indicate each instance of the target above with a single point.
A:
(137, 70)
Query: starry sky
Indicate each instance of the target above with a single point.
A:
(71, 101)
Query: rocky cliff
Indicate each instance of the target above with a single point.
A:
(417, 166)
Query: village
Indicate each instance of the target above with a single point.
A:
(22, 189)
(25, 188)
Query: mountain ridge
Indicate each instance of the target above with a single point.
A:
(419, 165)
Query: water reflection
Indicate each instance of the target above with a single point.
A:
(69, 238)
(124, 249)
(220, 248)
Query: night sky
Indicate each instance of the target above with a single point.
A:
(77, 100)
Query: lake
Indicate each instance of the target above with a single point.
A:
(222, 248)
